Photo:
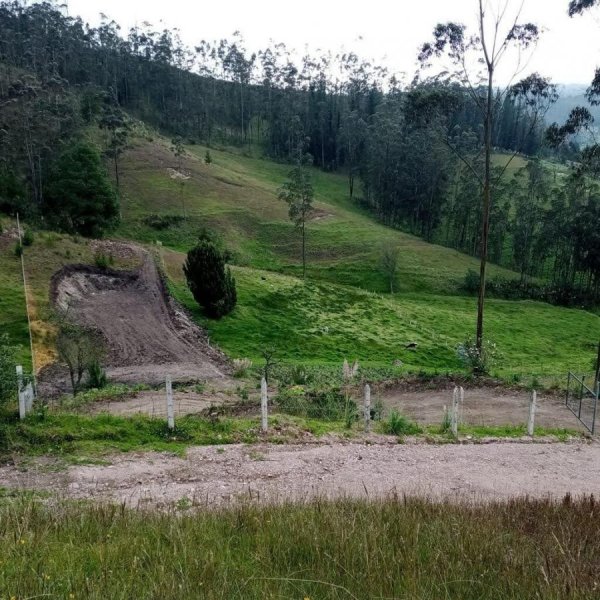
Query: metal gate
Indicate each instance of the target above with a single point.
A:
(582, 401)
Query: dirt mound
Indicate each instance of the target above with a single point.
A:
(147, 334)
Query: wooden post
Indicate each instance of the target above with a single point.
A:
(22, 407)
(264, 406)
(531, 420)
(367, 409)
(170, 406)
(454, 413)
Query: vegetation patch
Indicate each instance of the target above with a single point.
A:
(393, 548)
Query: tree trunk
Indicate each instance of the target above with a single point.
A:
(303, 250)
(487, 200)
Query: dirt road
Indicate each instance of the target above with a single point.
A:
(219, 475)
(147, 335)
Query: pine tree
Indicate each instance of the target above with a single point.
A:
(209, 280)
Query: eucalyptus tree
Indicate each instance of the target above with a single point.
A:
(116, 123)
(298, 193)
(474, 63)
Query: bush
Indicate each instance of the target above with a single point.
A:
(398, 424)
(18, 249)
(207, 158)
(478, 362)
(209, 280)
(102, 261)
(329, 405)
(97, 379)
(28, 237)
(241, 366)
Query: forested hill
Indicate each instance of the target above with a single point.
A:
(398, 148)
(218, 92)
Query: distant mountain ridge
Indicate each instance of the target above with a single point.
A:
(571, 95)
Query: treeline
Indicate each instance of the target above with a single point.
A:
(218, 92)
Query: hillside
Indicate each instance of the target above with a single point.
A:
(341, 311)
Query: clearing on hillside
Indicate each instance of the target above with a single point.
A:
(147, 335)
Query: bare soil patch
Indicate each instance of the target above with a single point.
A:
(212, 476)
(147, 335)
(482, 406)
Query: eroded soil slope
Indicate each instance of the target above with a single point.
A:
(147, 335)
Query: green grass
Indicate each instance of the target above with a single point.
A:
(70, 435)
(344, 550)
(317, 322)
(237, 196)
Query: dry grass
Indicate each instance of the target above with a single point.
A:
(396, 548)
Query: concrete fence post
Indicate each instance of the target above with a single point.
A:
(170, 405)
(264, 406)
(22, 405)
(367, 408)
(454, 413)
(531, 419)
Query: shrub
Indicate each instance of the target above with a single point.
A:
(101, 260)
(478, 362)
(329, 405)
(241, 366)
(28, 237)
(207, 158)
(398, 424)
(97, 379)
(209, 280)
(18, 249)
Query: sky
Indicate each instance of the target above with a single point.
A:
(388, 31)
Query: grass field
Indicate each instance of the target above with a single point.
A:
(395, 548)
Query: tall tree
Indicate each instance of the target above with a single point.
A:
(298, 192)
(497, 33)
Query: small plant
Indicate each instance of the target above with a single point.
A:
(207, 158)
(446, 421)
(18, 249)
(28, 237)
(398, 424)
(241, 366)
(477, 361)
(183, 503)
(97, 379)
(101, 260)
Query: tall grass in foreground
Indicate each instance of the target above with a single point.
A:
(342, 550)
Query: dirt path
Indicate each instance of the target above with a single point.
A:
(482, 406)
(147, 334)
(219, 475)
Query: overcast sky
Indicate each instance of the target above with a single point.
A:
(388, 31)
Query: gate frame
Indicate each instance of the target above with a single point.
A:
(582, 387)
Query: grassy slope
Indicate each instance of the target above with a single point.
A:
(329, 317)
(237, 196)
(322, 321)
